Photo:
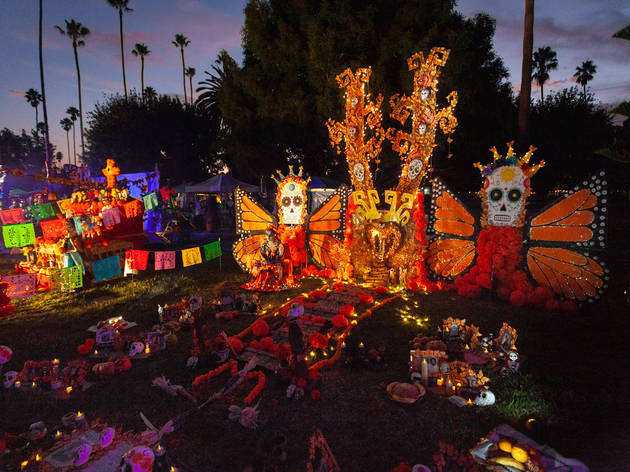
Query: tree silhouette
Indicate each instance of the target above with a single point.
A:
(182, 42)
(73, 114)
(584, 74)
(47, 146)
(66, 125)
(190, 73)
(34, 98)
(545, 60)
(141, 50)
(121, 6)
(75, 31)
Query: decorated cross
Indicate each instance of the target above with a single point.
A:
(111, 172)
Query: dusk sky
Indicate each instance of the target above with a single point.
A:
(577, 29)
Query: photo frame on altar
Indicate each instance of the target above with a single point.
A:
(507, 338)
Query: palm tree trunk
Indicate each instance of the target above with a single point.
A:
(36, 119)
(68, 143)
(122, 51)
(526, 74)
(191, 90)
(74, 146)
(142, 75)
(76, 61)
(542, 95)
(183, 73)
(41, 78)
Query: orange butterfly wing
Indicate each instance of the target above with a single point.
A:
(250, 215)
(246, 250)
(325, 228)
(577, 223)
(451, 227)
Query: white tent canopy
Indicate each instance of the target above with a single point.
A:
(221, 183)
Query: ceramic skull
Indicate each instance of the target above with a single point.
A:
(293, 201)
(424, 94)
(505, 190)
(415, 168)
(422, 128)
(485, 398)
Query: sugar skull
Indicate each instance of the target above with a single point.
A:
(9, 378)
(415, 168)
(485, 398)
(424, 94)
(292, 202)
(359, 172)
(506, 188)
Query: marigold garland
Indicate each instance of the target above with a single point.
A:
(259, 385)
(202, 381)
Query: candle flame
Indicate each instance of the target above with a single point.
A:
(69, 389)
(58, 433)
(79, 414)
(469, 401)
(24, 464)
(37, 458)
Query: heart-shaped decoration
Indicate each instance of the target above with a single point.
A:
(384, 238)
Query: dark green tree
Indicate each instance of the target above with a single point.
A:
(277, 104)
(22, 150)
(140, 134)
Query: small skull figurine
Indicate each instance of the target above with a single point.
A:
(485, 398)
(486, 342)
(422, 128)
(512, 361)
(354, 102)
(424, 94)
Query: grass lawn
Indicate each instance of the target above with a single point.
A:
(575, 380)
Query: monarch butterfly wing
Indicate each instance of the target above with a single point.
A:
(447, 215)
(573, 274)
(562, 236)
(246, 249)
(325, 228)
(250, 216)
(451, 229)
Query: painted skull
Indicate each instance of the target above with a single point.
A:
(422, 128)
(359, 172)
(293, 201)
(415, 168)
(107, 436)
(424, 94)
(485, 398)
(506, 188)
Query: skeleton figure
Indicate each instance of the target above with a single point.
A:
(505, 190)
(512, 363)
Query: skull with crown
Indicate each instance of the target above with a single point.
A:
(291, 197)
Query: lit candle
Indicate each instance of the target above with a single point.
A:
(467, 347)
(440, 381)
(147, 350)
(80, 417)
(159, 450)
(18, 384)
(449, 384)
(34, 384)
(469, 402)
(361, 345)
(58, 434)
(69, 389)
(55, 367)
(23, 465)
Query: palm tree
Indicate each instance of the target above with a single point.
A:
(73, 114)
(75, 31)
(526, 74)
(545, 60)
(142, 50)
(34, 98)
(149, 94)
(190, 72)
(181, 42)
(41, 80)
(66, 125)
(210, 88)
(584, 73)
(121, 5)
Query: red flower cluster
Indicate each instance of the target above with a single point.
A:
(260, 328)
(318, 340)
(293, 237)
(499, 253)
(339, 321)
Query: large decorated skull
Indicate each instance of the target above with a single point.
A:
(485, 398)
(415, 168)
(505, 189)
(292, 196)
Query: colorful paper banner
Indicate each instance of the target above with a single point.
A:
(12, 216)
(166, 193)
(164, 260)
(212, 250)
(20, 285)
(132, 208)
(54, 229)
(18, 235)
(150, 201)
(111, 216)
(106, 268)
(64, 205)
(137, 260)
(42, 211)
(67, 278)
(191, 256)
